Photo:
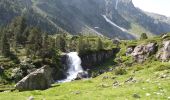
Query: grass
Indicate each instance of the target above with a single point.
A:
(128, 81)
(148, 86)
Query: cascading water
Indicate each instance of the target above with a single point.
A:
(74, 67)
(117, 1)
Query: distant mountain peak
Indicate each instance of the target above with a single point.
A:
(85, 17)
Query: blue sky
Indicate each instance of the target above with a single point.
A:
(156, 6)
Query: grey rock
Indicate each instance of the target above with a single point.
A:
(82, 75)
(129, 80)
(37, 80)
(142, 52)
(116, 83)
(31, 98)
(129, 50)
(164, 52)
(105, 77)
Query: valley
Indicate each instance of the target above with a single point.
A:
(83, 49)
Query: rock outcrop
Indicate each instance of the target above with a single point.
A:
(142, 52)
(37, 80)
(91, 59)
(164, 52)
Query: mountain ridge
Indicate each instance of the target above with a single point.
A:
(86, 17)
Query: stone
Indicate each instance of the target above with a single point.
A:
(164, 52)
(136, 96)
(105, 77)
(82, 75)
(129, 80)
(31, 98)
(76, 92)
(104, 85)
(116, 83)
(38, 80)
(129, 50)
(142, 52)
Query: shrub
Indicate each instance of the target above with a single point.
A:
(162, 67)
(120, 71)
(138, 68)
(143, 36)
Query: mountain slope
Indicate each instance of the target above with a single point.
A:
(112, 18)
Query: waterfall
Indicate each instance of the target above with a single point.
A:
(74, 67)
(117, 1)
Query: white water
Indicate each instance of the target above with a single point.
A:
(114, 24)
(119, 27)
(117, 1)
(74, 67)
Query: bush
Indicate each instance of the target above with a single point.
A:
(138, 68)
(162, 67)
(143, 36)
(120, 71)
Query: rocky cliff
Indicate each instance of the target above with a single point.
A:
(90, 60)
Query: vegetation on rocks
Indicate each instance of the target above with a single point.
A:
(121, 77)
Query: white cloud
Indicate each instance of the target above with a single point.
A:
(156, 6)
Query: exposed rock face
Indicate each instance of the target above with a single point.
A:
(37, 80)
(141, 52)
(91, 59)
(164, 53)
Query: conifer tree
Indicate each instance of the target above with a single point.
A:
(143, 36)
(35, 41)
(99, 44)
(61, 42)
(5, 46)
(81, 46)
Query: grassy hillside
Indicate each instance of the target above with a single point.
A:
(124, 81)
(150, 82)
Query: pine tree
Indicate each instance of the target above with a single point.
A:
(81, 46)
(99, 44)
(61, 42)
(35, 41)
(143, 36)
(45, 41)
(17, 27)
(5, 46)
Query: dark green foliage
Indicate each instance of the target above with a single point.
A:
(81, 45)
(5, 46)
(17, 31)
(45, 41)
(61, 42)
(99, 44)
(143, 36)
(35, 42)
(162, 67)
(120, 71)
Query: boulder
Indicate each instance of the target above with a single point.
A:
(129, 50)
(82, 75)
(164, 52)
(142, 52)
(38, 80)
